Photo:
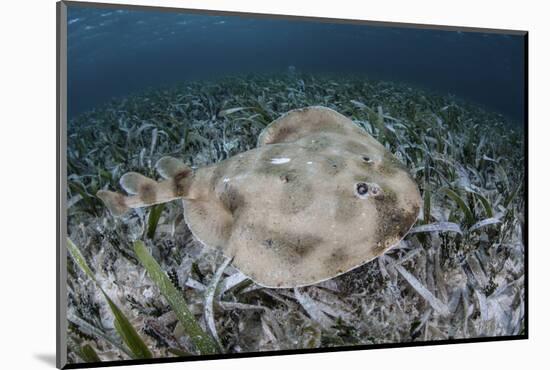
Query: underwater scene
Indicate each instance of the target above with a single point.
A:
(251, 183)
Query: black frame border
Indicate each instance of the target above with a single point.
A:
(61, 219)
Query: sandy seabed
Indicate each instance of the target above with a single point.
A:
(458, 274)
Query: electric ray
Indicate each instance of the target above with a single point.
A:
(318, 197)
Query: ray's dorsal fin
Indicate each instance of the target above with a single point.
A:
(136, 183)
(144, 191)
(170, 167)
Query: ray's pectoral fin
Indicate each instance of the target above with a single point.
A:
(302, 122)
(210, 222)
(143, 191)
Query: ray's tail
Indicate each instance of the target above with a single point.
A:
(143, 191)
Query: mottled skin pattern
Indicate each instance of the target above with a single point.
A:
(317, 198)
(300, 222)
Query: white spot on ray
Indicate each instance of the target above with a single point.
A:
(226, 179)
(280, 160)
(309, 162)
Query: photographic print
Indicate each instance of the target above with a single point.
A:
(243, 184)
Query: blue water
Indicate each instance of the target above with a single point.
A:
(115, 52)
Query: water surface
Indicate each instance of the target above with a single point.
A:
(114, 52)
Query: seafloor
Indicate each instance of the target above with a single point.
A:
(458, 274)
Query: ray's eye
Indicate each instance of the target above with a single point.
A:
(362, 188)
(367, 159)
